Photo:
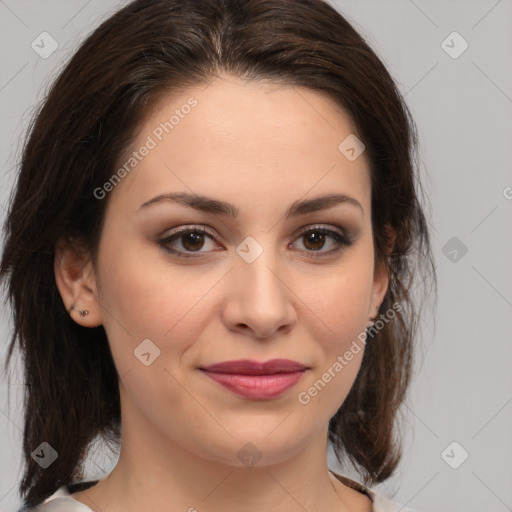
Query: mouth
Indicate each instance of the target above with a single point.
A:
(255, 380)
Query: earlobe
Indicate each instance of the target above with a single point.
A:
(75, 280)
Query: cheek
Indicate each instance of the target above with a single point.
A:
(152, 300)
(339, 299)
(339, 303)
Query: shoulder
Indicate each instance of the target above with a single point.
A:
(61, 504)
(379, 502)
(61, 500)
(382, 504)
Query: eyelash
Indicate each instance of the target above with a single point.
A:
(341, 240)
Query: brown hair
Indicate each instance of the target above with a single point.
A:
(90, 116)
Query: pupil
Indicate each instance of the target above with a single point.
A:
(317, 239)
(195, 237)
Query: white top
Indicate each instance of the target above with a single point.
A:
(61, 501)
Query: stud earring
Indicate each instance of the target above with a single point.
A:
(81, 312)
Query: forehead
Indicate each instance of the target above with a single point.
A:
(237, 136)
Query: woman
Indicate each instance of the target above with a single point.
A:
(210, 252)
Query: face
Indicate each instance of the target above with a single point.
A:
(181, 285)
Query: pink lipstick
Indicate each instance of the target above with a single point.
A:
(252, 379)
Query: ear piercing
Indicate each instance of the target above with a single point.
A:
(81, 312)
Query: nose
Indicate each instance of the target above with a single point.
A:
(259, 302)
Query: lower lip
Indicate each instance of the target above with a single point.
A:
(257, 386)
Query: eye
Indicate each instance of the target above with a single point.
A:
(317, 237)
(188, 240)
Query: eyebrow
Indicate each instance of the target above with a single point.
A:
(216, 207)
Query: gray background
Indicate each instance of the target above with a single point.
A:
(463, 109)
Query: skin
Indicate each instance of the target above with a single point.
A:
(260, 146)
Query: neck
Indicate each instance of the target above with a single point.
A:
(155, 473)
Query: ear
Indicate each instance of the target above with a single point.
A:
(381, 278)
(76, 282)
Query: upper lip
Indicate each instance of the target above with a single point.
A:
(250, 367)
